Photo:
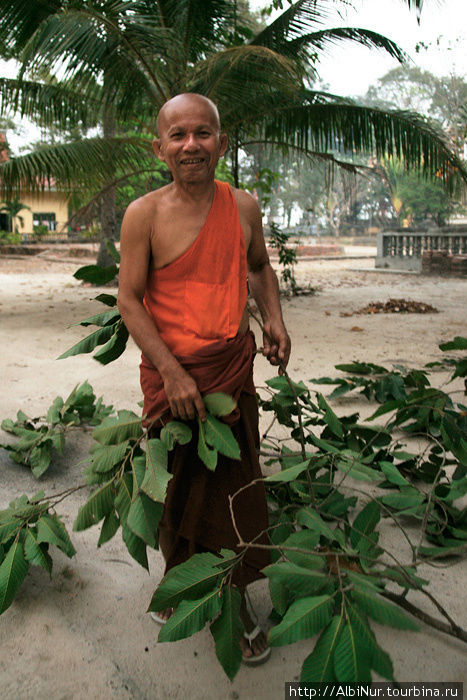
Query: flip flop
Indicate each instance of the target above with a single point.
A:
(256, 659)
(158, 619)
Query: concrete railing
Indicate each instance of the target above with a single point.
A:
(402, 250)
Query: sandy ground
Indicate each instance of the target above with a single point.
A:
(85, 633)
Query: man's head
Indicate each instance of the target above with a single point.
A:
(190, 140)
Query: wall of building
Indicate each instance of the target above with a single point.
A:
(43, 203)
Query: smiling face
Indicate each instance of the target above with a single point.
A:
(189, 140)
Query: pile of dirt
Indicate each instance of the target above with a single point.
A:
(395, 306)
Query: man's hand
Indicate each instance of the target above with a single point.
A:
(183, 396)
(276, 344)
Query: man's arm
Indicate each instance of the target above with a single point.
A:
(264, 288)
(135, 251)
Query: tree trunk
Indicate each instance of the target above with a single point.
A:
(107, 206)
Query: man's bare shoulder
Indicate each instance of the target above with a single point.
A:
(146, 206)
(247, 204)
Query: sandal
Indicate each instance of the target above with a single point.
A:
(158, 619)
(256, 659)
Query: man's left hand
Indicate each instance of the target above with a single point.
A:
(276, 344)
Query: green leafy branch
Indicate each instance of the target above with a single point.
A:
(39, 437)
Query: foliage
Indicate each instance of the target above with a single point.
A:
(27, 529)
(12, 207)
(39, 437)
(337, 480)
(261, 78)
(287, 257)
(9, 238)
(40, 230)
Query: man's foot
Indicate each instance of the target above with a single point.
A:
(162, 616)
(255, 649)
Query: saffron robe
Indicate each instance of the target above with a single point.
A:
(197, 302)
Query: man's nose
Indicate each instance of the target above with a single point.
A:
(191, 142)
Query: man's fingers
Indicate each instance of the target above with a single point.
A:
(200, 408)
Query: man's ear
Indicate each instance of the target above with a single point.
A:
(223, 143)
(158, 149)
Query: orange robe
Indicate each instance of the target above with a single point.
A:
(197, 303)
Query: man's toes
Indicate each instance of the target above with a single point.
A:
(246, 649)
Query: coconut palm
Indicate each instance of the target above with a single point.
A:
(11, 208)
(120, 60)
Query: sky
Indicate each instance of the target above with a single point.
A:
(349, 70)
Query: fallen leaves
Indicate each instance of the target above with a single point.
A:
(394, 306)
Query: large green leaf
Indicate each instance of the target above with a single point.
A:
(105, 318)
(365, 522)
(143, 518)
(124, 495)
(298, 579)
(190, 617)
(90, 342)
(227, 630)
(51, 529)
(99, 505)
(313, 521)
(318, 667)
(187, 581)
(351, 659)
(289, 474)
(279, 594)
(13, 569)
(109, 528)
(219, 404)
(96, 274)
(180, 432)
(115, 346)
(358, 471)
(379, 659)
(35, 553)
(136, 547)
(205, 453)
(40, 459)
(333, 422)
(392, 474)
(381, 610)
(220, 436)
(156, 476)
(304, 539)
(105, 457)
(114, 430)
(302, 620)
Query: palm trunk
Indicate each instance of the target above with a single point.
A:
(107, 205)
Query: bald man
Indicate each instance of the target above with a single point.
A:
(186, 251)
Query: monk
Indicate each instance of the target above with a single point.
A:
(186, 252)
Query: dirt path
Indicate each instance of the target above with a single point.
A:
(85, 633)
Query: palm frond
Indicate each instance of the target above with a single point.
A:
(19, 19)
(352, 128)
(248, 72)
(321, 40)
(298, 18)
(86, 164)
(84, 38)
(48, 104)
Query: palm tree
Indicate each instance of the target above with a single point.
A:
(120, 60)
(12, 208)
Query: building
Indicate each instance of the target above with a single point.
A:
(48, 207)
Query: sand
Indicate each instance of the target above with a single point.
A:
(84, 633)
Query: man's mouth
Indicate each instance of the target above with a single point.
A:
(192, 161)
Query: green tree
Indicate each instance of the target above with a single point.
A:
(12, 208)
(119, 60)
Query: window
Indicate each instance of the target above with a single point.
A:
(48, 219)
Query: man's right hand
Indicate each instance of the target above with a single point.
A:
(183, 395)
